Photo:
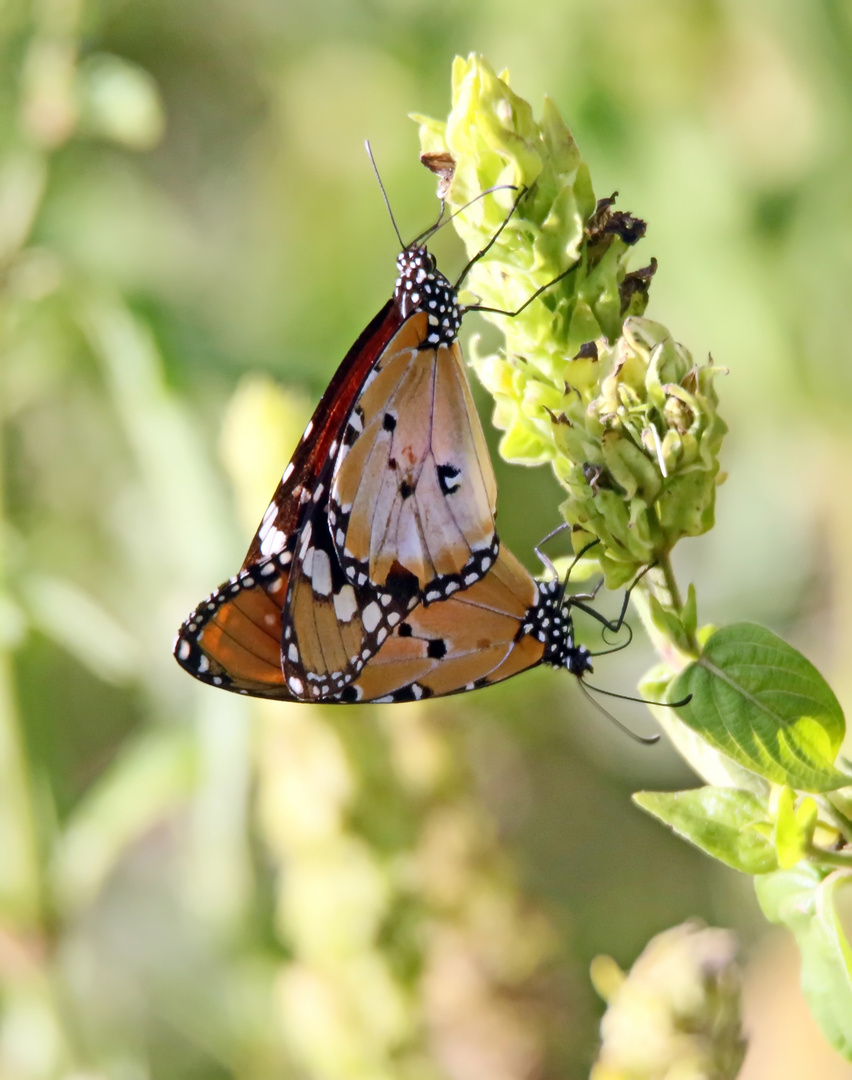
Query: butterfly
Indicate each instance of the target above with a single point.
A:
(387, 505)
(503, 624)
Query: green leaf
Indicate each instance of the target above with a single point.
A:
(690, 611)
(722, 821)
(714, 767)
(819, 913)
(670, 625)
(758, 700)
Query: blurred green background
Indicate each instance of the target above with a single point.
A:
(196, 886)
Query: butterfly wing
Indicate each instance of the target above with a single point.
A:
(418, 508)
(413, 487)
(322, 438)
(332, 628)
(233, 639)
(487, 633)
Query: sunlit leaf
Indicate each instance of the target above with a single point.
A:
(721, 821)
(714, 767)
(760, 702)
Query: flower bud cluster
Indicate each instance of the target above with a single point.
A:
(623, 414)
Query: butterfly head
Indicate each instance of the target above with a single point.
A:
(420, 286)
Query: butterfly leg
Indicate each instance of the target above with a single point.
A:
(613, 625)
(529, 299)
(489, 245)
(547, 563)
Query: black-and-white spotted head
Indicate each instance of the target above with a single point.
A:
(422, 287)
(549, 621)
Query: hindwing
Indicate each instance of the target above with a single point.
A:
(232, 640)
(483, 635)
(332, 627)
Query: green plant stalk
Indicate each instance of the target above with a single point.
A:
(821, 857)
(661, 584)
(629, 423)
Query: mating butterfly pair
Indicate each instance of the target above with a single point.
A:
(376, 573)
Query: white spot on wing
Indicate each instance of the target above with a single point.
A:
(321, 572)
(371, 616)
(345, 604)
(273, 542)
(184, 649)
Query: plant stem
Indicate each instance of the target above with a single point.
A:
(830, 858)
(661, 585)
(665, 584)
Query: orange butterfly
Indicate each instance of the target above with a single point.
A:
(387, 505)
(505, 623)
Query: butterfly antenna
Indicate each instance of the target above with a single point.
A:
(384, 193)
(639, 700)
(644, 740)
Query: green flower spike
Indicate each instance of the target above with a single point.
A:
(676, 1013)
(625, 417)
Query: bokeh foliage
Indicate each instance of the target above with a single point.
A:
(184, 200)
